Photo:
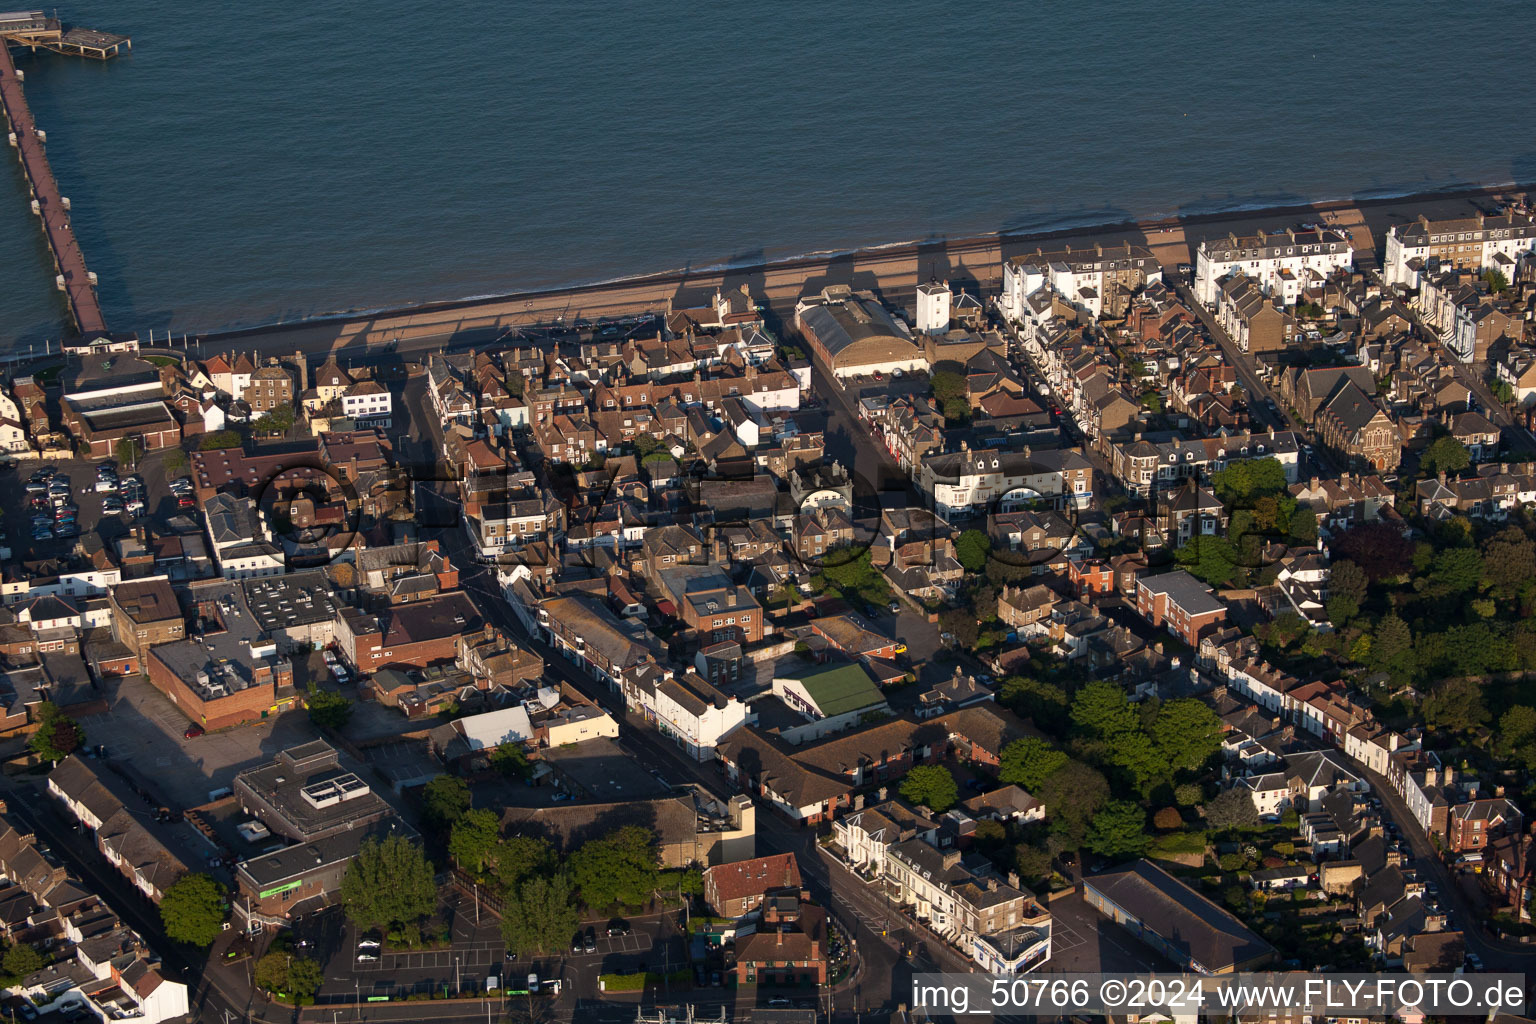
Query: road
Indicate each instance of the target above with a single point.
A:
(1497, 955)
(1492, 407)
(210, 997)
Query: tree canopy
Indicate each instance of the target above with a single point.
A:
(1378, 548)
(1119, 829)
(1101, 710)
(621, 868)
(1028, 762)
(540, 915)
(972, 549)
(1188, 732)
(472, 843)
(388, 883)
(192, 910)
(1231, 809)
(932, 786)
(1044, 703)
(327, 708)
(1245, 481)
(57, 734)
(1212, 559)
(1445, 455)
(444, 800)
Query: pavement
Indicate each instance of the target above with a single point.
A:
(145, 731)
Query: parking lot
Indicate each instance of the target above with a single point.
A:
(145, 731)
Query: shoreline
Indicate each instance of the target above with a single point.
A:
(880, 251)
(641, 292)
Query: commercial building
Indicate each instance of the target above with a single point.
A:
(307, 797)
(228, 670)
(980, 482)
(298, 610)
(145, 613)
(1173, 919)
(832, 697)
(853, 334)
(736, 889)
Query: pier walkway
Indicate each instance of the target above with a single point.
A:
(53, 209)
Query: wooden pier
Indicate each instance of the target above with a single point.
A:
(35, 31)
(31, 29)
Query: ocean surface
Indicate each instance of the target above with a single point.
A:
(264, 161)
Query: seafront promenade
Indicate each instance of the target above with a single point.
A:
(893, 271)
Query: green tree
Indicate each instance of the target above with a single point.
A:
(128, 452)
(510, 761)
(389, 882)
(1231, 809)
(1517, 735)
(1187, 794)
(518, 858)
(1032, 862)
(646, 444)
(1119, 829)
(1495, 280)
(22, 960)
(192, 909)
(175, 461)
(1244, 482)
(444, 800)
(1509, 562)
(1074, 792)
(304, 978)
(621, 868)
(472, 843)
(217, 440)
(961, 622)
(1028, 762)
(1455, 571)
(1045, 704)
(1456, 704)
(947, 386)
(1341, 608)
(1188, 732)
(327, 708)
(540, 916)
(272, 971)
(1143, 761)
(1445, 455)
(971, 550)
(277, 421)
(932, 786)
(1503, 392)
(57, 734)
(1392, 646)
(1346, 579)
(1211, 559)
(1101, 711)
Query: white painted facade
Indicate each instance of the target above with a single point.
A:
(1475, 243)
(1282, 265)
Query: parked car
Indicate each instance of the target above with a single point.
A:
(193, 731)
(617, 927)
(576, 943)
(589, 941)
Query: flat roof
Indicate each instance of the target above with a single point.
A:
(312, 792)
